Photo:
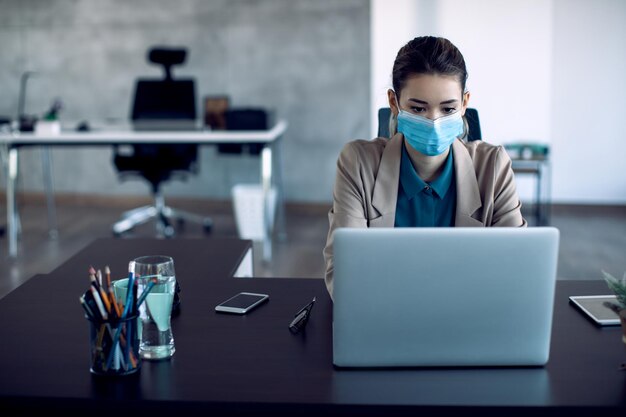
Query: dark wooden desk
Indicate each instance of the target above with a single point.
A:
(252, 365)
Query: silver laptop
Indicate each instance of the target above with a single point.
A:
(443, 296)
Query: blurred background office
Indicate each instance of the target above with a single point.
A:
(306, 60)
(550, 72)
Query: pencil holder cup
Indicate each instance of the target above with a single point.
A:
(114, 346)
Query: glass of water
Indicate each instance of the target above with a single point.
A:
(156, 341)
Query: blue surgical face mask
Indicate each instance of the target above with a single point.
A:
(430, 137)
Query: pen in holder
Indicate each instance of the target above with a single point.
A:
(114, 326)
(114, 346)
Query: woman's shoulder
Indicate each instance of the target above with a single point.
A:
(481, 151)
(363, 151)
(487, 158)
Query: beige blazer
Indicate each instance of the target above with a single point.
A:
(368, 174)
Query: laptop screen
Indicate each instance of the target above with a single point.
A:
(443, 296)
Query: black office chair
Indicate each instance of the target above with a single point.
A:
(384, 114)
(473, 123)
(160, 104)
(471, 115)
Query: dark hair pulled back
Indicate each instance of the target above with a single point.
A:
(428, 55)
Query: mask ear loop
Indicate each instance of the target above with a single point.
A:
(465, 136)
(393, 119)
(395, 98)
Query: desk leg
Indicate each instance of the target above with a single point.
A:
(548, 193)
(266, 182)
(11, 204)
(281, 228)
(538, 207)
(46, 165)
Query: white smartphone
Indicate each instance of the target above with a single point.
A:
(593, 306)
(242, 303)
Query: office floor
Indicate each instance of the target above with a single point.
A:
(592, 238)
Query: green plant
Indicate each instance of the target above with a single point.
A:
(53, 113)
(618, 286)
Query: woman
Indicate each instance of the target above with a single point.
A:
(426, 174)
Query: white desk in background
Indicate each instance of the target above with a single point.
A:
(10, 143)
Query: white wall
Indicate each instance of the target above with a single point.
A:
(589, 100)
(536, 68)
(392, 24)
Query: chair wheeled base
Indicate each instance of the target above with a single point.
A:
(163, 215)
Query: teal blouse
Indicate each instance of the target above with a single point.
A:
(423, 204)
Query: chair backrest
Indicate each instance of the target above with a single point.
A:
(164, 100)
(471, 115)
(473, 122)
(384, 114)
(161, 104)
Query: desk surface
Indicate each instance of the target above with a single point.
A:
(115, 135)
(252, 365)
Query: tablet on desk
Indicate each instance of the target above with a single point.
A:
(593, 306)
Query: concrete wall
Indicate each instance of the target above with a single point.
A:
(549, 71)
(306, 60)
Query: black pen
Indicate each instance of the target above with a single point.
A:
(301, 318)
(298, 318)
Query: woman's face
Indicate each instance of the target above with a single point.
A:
(431, 96)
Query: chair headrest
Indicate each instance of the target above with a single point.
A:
(167, 56)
